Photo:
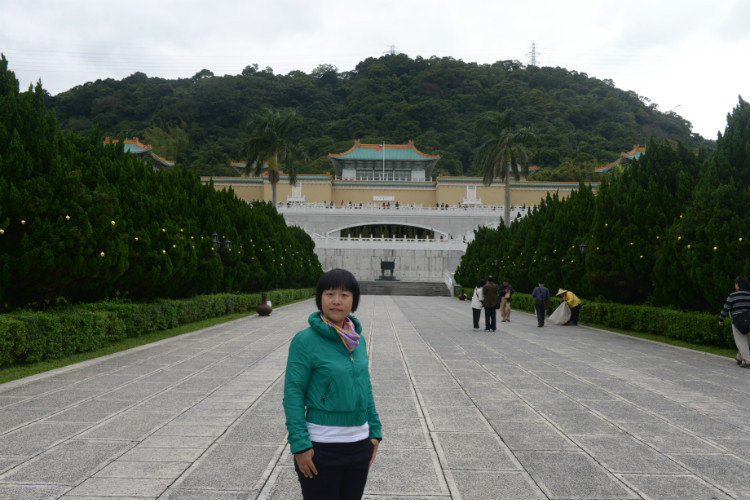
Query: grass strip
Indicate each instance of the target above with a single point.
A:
(719, 351)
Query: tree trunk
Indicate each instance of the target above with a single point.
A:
(506, 207)
(273, 178)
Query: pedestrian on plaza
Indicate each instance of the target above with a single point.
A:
(490, 303)
(476, 303)
(505, 291)
(574, 303)
(541, 296)
(737, 306)
(334, 428)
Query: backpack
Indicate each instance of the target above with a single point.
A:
(742, 321)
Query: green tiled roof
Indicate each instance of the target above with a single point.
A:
(135, 148)
(391, 154)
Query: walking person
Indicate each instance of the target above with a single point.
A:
(574, 303)
(737, 306)
(505, 291)
(541, 296)
(334, 428)
(476, 303)
(489, 300)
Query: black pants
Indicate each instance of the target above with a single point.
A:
(574, 314)
(477, 314)
(342, 471)
(490, 318)
(541, 309)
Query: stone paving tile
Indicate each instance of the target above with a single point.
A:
(508, 410)
(396, 407)
(620, 452)
(475, 451)
(132, 425)
(31, 492)
(486, 485)
(406, 472)
(258, 429)
(578, 423)
(447, 418)
(144, 470)
(394, 388)
(563, 474)
(406, 433)
(672, 487)
(172, 441)
(37, 437)
(531, 436)
(146, 454)
(445, 397)
(11, 418)
(197, 494)
(726, 471)
(101, 487)
(69, 463)
(668, 438)
(229, 467)
(90, 411)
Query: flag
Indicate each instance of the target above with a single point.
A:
(381, 147)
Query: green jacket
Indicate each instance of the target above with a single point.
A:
(326, 385)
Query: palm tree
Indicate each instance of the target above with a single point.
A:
(269, 144)
(502, 152)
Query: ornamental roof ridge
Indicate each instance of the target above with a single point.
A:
(134, 141)
(358, 145)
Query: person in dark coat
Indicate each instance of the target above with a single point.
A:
(489, 295)
(541, 296)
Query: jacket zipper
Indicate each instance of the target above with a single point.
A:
(326, 391)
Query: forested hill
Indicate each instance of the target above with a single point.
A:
(198, 121)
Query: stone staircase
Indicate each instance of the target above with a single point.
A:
(432, 289)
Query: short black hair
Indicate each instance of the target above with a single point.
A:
(337, 279)
(741, 282)
(481, 283)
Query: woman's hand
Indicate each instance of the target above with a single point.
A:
(305, 463)
(375, 444)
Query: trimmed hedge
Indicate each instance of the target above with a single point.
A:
(29, 336)
(693, 327)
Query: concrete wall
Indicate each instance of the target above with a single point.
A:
(410, 264)
(317, 188)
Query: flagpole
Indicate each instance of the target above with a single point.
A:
(383, 160)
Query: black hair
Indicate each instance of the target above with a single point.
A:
(337, 279)
(741, 282)
(481, 283)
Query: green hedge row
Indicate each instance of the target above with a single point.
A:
(30, 336)
(693, 327)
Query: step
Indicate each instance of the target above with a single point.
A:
(427, 289)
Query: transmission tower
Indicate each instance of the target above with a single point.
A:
(534, 55)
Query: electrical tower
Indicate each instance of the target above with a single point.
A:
(534, 55)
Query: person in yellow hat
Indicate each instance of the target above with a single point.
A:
(573, 302)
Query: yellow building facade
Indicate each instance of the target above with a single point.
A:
(372, 174)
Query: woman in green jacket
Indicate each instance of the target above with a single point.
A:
(334, 429)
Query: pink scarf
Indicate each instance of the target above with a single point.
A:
(348, 333)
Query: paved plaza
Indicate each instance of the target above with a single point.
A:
(522, 413)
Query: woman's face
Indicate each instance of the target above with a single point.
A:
(336, 304)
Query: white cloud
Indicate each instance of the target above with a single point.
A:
(686, 55)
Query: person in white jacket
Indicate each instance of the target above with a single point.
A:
(476, 303)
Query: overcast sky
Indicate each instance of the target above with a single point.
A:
(687, 56)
